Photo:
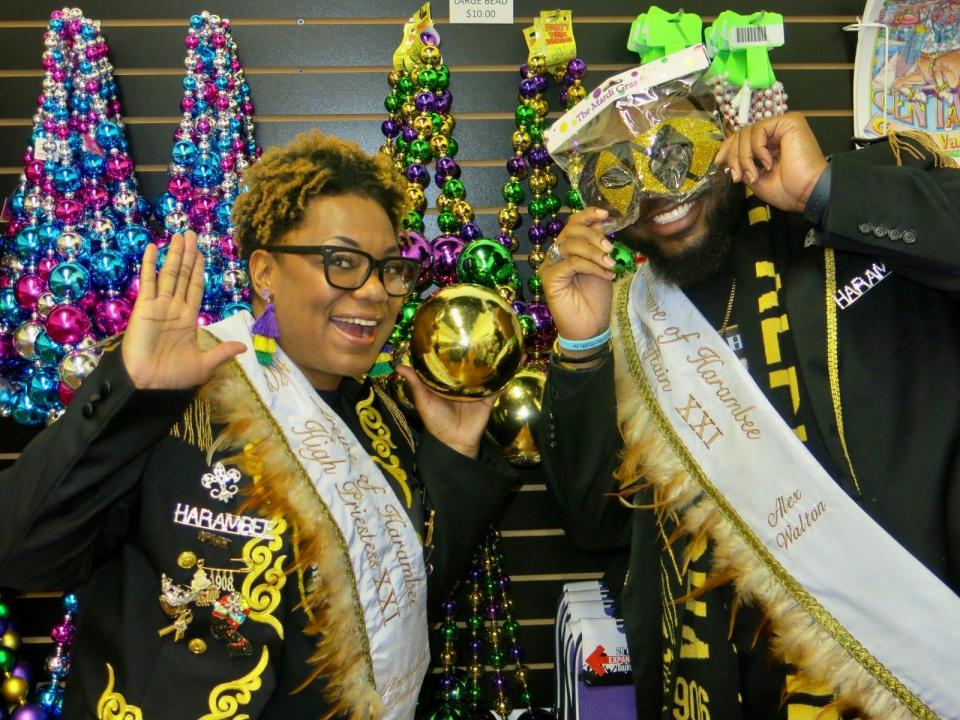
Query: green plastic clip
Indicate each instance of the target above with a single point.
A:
(658, 33)
(740, 46)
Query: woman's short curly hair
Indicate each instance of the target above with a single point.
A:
(280, 185)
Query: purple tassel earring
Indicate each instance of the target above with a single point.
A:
(266, 333)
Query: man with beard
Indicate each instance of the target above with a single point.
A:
(772, 429)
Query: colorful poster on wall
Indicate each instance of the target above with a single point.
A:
(908, 70)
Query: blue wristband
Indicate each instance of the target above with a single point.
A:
(588, 344)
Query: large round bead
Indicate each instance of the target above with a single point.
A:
(466, 342)
(68, 281)
(28, 288)
(446, 250)
(76, 366)
(112, 315)
(67, 324)
(108, 269)
(486, 262)
(24, 339)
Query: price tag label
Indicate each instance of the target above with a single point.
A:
(481, 11)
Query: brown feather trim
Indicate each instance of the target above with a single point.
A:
(279, 489)
(819, 659)
(734, 610)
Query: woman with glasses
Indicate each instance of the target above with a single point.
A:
(251, 527)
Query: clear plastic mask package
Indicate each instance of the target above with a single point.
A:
(646, 135)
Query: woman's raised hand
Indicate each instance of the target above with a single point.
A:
(160, 349)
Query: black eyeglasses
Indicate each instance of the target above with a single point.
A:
(349, 269)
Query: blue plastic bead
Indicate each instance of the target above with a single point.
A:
(108, 269)
(28, 243)
(48, 233)
(108, 135)
(183, 152)
(66, 178)
(206, 173)
(10, 311)
(132, 241)
(69, 281)
(232, 308)
(50, 353)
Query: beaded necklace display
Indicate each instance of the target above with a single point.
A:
(69, 263)
(490, 626)
(418, 131)
(16, 675)
(50, 696)
(533, 163)
(212, 147)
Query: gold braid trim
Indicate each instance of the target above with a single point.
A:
(833, 358)
(918, 144)
(194, 428)
(820, 648)
(335, 616)
(112, 705)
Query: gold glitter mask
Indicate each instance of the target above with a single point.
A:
(614, 174)
(673, 159)
(676, 155)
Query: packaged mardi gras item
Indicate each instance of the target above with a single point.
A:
(648, 134)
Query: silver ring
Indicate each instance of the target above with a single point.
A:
(553, 252)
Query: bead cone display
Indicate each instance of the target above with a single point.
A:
(69, 260)
(213, 146)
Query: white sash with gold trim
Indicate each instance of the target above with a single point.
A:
(382, 546)
(898, 620)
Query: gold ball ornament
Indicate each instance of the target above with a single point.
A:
(540, 106)
(515, 418)
(466, 342)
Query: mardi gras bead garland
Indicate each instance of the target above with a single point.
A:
(50, 696)
(492, 639)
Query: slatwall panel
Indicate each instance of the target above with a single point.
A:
(323, 64)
